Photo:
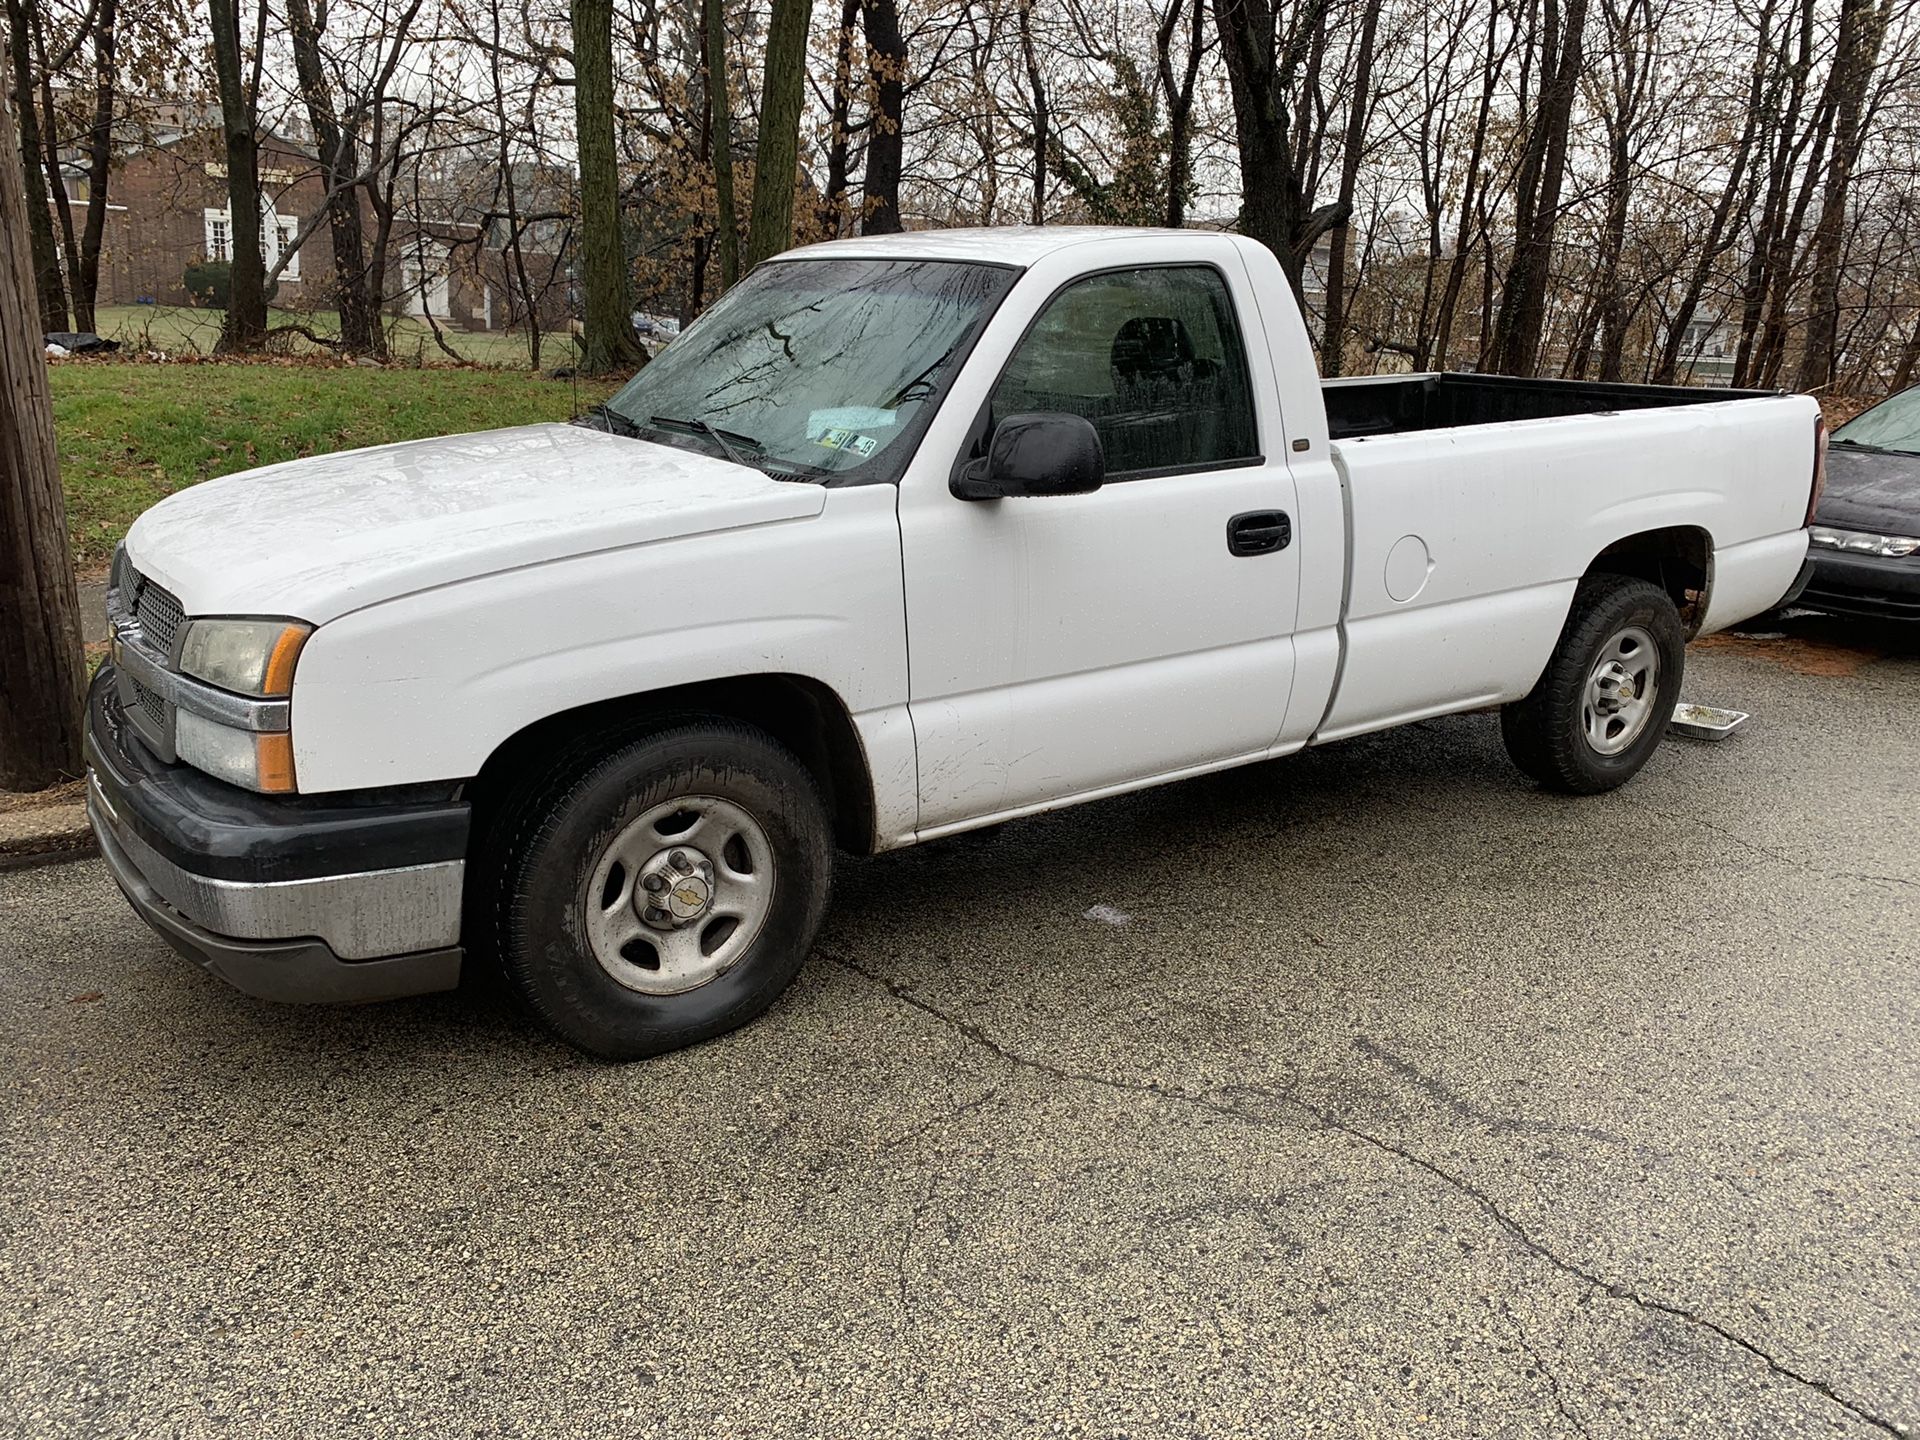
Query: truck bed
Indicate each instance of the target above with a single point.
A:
(1398, 404)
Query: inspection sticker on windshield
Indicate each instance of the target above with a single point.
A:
(862, 445)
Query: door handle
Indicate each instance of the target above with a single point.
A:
(1259, 532)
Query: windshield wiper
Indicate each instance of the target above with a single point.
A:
(727, 440)
(610, 420)
(1863, 445)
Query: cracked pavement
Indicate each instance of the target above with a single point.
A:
(1406, 1101)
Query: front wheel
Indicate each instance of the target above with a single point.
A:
(1599, 711)
(665, 892)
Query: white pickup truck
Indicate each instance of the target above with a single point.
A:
(905, 536)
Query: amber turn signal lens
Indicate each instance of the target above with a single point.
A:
(275, 758)
(278, 679)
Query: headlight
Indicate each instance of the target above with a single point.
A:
(1860, 542)
(247, 758)
(254, 657)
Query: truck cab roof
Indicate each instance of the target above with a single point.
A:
(1020, 245)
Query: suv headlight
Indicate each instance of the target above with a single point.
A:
(253, 657)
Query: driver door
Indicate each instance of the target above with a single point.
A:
(1065, 646)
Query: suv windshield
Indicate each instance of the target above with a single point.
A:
(814, 368)
(1891, 425)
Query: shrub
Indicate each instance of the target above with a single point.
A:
(210, 282)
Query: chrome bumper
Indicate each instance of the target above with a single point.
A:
(295, 898)
(360, 916)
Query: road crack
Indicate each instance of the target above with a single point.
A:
(1785, 857)
(1547, 1372)
(1327, 1119)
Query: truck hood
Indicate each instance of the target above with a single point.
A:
(314, 539)
(1870, 491)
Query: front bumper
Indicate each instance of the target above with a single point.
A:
(302, 898)
(1881, 586)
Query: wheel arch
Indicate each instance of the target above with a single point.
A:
(802, 713)
(1677, 558)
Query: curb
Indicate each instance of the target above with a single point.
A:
(44, 835)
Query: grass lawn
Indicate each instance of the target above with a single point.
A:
(130, 435)
(181, 329)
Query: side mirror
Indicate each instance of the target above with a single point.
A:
(1049, 454)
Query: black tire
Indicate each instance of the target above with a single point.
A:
(548, 844)
(1546, 733)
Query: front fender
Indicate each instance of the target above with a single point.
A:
(425, 687)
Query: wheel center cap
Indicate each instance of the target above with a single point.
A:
(676, 889)
(1613, 687)
(688, 897)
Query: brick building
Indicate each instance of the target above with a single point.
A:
(167, 210)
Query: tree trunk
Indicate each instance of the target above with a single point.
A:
(1263, 68)
(48, 127)
(245, 324)
(1042, 117)
(1470, 203)
(42, 673)
(1333, 338)
(1178, 95)
(1523, 298)
(1863, 25)
(720, 108)
(49, 286)
(99, 146)
(528, 306)
(1909, 359)
(607, 343)
(1718, 239)
(830, 216)
(782, 94)
(887, 72)
(353, 296)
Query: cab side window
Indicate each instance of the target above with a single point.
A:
(1153, 358)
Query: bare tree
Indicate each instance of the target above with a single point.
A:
(244, 325)
(782, 93)
(886, 137)
(726, 221)
(1333, 341)
(1523, 295)
(1177, 95)
(50, 286)
(608, 343)
(1273, 51)
(1862, 28)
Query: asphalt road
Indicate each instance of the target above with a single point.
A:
(1406, 1101)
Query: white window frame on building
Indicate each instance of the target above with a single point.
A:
(276, 235)
(219, 235)
(424, 281)
(285, 229)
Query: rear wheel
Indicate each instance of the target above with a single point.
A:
(665, 892)
(1600, 709)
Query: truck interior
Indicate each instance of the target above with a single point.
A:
(1398, 404)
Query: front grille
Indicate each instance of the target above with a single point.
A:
(157, 611)
(152, 708)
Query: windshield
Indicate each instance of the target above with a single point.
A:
(815, 368)
(1891, 425)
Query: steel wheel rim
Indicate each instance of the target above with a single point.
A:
(1621, 689)
(715, 871)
